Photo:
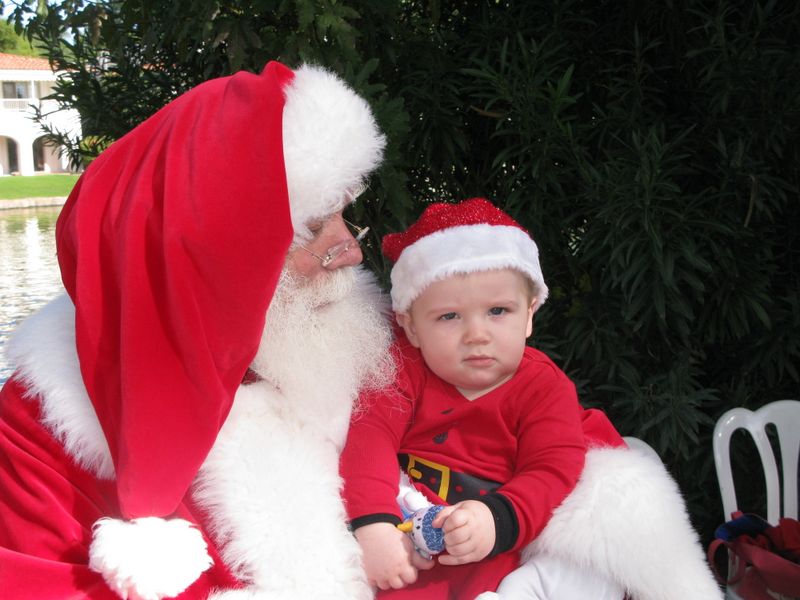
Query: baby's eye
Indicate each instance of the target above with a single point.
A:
(497, 310)
(448, 316)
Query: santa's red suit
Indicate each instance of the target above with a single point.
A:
(133, 462)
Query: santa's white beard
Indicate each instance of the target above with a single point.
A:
(271, 484)
(324, 340)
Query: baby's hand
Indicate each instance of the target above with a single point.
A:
(469, 532)
(390, 560)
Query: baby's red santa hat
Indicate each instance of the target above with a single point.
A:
(452, 239)
(170, 247)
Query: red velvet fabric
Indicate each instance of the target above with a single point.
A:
(48, 505)
(170, 247)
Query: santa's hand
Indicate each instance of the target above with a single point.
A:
(469, 532)
(390, 560)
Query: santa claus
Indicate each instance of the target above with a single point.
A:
(173, 425)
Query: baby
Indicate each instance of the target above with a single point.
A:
(480, 421)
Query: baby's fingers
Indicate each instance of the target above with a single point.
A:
(455, 537)
(420, 562)
(459, 555)
(444, 514)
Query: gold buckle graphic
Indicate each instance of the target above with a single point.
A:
(444, 470)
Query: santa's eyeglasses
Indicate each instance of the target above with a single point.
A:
(334, 252)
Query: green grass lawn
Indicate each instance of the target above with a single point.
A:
(36, 186)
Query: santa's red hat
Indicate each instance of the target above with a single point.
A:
(170, 246)
(451, 239)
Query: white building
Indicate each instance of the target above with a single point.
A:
(24, 81)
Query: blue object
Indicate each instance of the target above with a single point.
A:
(433, 536)
(746, 524)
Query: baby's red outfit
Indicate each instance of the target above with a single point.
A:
(529, 436)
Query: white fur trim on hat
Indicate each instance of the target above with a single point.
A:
(460, 250)
(148, 558)
(330, 145)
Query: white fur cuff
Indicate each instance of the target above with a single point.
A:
(627, 519)
(148, 558)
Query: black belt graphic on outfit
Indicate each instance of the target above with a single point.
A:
(451, 486)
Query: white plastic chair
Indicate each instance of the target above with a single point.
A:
(785, 416)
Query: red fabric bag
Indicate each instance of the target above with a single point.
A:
(765, 564)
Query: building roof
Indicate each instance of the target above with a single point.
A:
(24, 63)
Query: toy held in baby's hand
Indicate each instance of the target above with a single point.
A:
(429, 540)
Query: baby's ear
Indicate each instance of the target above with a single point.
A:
(407, 323)
(531, 310)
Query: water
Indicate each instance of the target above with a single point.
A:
(29, 275)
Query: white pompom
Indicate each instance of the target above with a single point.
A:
(148, 558)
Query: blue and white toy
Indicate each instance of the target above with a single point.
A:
(428, 540)
(418, 515)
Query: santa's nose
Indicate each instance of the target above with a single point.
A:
(347, 252)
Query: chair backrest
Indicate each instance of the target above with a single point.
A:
(785, 416)
(641, 446)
